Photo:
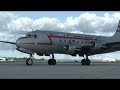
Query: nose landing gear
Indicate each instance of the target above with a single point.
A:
(29, 61)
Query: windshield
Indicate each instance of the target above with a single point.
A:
(31, 35)
(28, 35)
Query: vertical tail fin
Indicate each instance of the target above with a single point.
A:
(117, 33)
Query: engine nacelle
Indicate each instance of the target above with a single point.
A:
(96, 45)
(70, 49)
(92, 46)
(24, 50)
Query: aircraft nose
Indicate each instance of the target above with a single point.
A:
(19, 42)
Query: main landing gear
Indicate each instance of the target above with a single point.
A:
(85, 61)
(29, 61)
(52, 61)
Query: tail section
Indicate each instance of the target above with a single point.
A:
(117, 33)
(115, 39)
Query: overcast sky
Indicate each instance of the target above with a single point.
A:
(14, 24)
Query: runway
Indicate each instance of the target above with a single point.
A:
(73, 70)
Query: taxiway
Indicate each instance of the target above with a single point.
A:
(73, 70)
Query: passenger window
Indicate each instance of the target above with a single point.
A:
(29, 35)
(60, 40)
(35, 36)
(64, 40)
(69, 41)
(73, 40)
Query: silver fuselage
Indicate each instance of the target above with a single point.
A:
(49, 42)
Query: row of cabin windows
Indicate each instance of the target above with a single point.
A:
(73, 41)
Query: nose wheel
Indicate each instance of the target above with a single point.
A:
(29, 61)
(52, 61)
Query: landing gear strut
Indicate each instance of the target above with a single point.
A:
(85, 61)
(52, 61)
(29, 61)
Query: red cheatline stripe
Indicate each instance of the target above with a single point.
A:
(50, 43)
(39, 43)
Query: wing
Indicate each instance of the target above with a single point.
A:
(108, 47)
(8, 42)
(114, 43)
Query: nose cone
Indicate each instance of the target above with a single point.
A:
(19, 42)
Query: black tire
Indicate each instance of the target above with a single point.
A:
(83, 62)
(51, 62)
(87, 62)
(29, 62)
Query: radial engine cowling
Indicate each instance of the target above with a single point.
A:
(96, 45)
(69, 48)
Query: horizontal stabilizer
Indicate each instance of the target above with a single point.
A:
(8, 42)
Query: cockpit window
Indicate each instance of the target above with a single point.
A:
(28, 35)
(31, 35)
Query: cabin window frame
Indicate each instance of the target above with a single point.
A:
(35, 36)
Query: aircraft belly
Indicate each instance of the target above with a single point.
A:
(45, 49)
(41, 48)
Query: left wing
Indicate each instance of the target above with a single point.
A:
(8, 42)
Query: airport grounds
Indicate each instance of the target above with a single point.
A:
(17, 69)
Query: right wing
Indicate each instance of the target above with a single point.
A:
(8, 42)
